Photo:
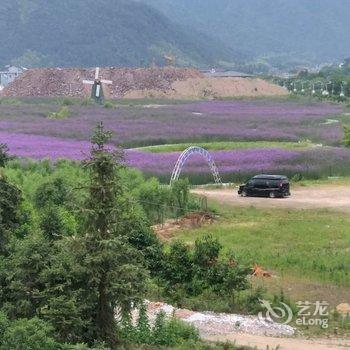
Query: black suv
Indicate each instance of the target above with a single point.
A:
(272, 186)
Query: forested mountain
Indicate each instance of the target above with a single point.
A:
(313, 29)
(98, 32)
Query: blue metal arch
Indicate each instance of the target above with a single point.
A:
(187, 154)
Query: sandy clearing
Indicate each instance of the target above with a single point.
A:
(335, 197)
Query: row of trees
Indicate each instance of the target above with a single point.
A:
(74, 277)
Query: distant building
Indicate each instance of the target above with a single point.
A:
(10, 73)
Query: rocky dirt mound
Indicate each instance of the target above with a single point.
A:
(168, 229)
(57, 82)
(213, 88)
(168, 82)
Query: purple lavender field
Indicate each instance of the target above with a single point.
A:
(200, 121)
(29, 133)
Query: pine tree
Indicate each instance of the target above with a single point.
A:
(10, 200)
(115, 266)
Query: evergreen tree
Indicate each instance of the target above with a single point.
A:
(10, 201)
(115, 266)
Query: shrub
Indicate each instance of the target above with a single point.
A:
(4, 155)
(54, 192)
(63, 113)
(143, 334)
(178, 331)
(180, 196)
(178, 267)
(67, 102)
(10, 201)
(206, 251)
(86, 102)
(165, 332)
(10, 101)
(51, 223)
(108, 104)
(4, 323)
(346, 138)
(33, 334)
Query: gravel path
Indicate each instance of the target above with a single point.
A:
(245, 330)
(313, 197)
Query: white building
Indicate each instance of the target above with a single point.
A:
(10, 74)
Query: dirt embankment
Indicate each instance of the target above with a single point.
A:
(213, 88)
(168, 82)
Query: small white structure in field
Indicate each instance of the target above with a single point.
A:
(97, 86)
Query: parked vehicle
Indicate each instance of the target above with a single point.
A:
(273, 186)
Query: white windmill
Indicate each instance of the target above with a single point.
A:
(97, 86)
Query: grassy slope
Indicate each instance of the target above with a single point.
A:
(216, 146)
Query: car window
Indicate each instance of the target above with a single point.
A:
(260, 183)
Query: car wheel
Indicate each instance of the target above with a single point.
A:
(272, 195)
(244, 194)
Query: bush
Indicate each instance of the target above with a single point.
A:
(180, 196)
(86, 102)
(56, 222)
(4, 323)
(178, 331)
(108, 104)
(4, 155)
(63, 113)
(165, 332)
(346, 138)
(55, 192)
(33, 334)
(85, 347)
(191, 272)
(206, 252)
(67, 101)
(178, 268)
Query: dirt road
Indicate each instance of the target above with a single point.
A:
(263, 343)
(335, 197)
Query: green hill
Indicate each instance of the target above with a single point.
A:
(316, 30)
(99, 32)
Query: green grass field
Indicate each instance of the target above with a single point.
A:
(308, 244)
(217, 146)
